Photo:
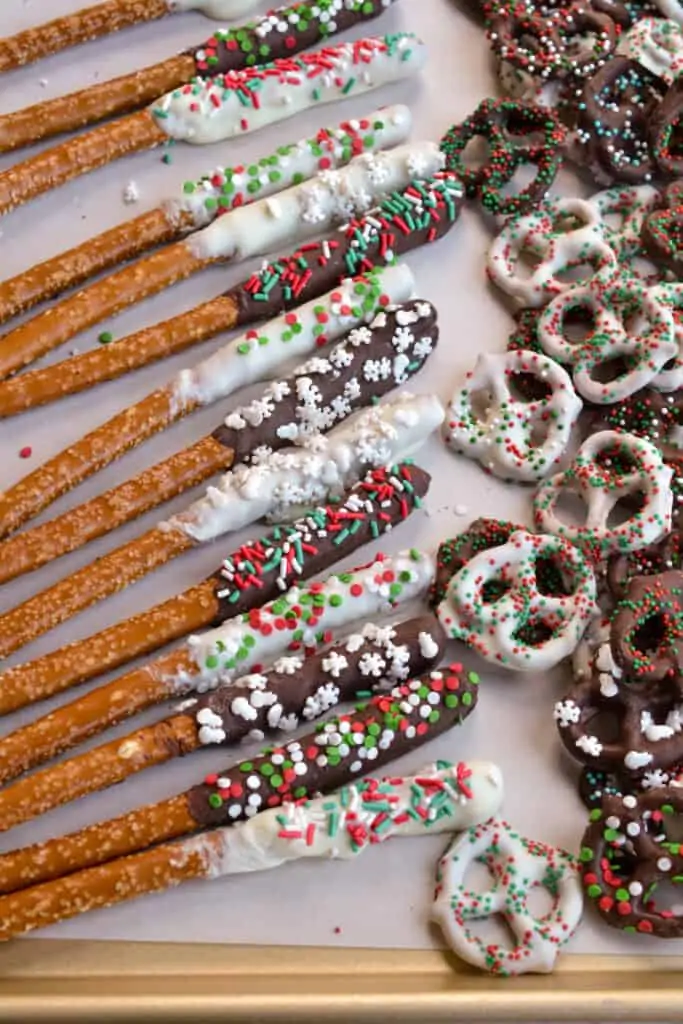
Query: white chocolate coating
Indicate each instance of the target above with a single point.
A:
(250, 358)
(450, 797)
(218, 9)
(517, 867)
(296, 478)
(309, 209)
(512, 437)
(386, 127)
(227, 652)
(212, 110)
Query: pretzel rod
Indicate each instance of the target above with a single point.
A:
(80, 155)
(243, 361)
(293, 692)
(283, 480)
(80, 27)
(441, 798)
(223, 799)
(202, 200)
(280, 34)
(254, 574)
(104, 19)
(293, 215)
(421, 213)
(299, 618)
(225, 107)
(288, 409)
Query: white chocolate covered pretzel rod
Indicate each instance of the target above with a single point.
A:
(227, 106)
(201, 201)
(440, 798)
(298, 213)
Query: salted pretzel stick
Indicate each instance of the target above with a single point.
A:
(223, 799)
(294, 691)
(236, 438)
(275, 36)
(421, 213)
(292, 216)
(294, 477)
(202, 201)
(103, 19)
(441, 797)
(300, 618)
(222, 108)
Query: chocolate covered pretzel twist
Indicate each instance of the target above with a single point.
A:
(630, 848)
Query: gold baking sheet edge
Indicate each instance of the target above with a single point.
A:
(122, 981)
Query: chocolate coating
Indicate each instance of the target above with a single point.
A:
(261, 570)
(456, 552)
(339, 750)
(423, 212)
(263, 40)
(299, 689)
(307, 401)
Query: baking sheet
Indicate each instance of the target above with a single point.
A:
(383, 898)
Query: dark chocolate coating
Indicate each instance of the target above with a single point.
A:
(423, 212)
(482, 535)
(253, 575)
(339, 667)
(332, 381)
(387, 724)
(632, 846)
(245, 46)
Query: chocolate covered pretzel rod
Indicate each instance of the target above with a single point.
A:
(421, 213)
(302, 618)
(322, 392)
(294, 215)
(255, 573)
(440, 798)
(102, 20)
(219, 190)
(380, 730)
(294, 691)
(282, 482)
(221, 108)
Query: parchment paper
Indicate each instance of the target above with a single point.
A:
(383, 898)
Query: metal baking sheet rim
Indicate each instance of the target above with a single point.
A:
(46, 980)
